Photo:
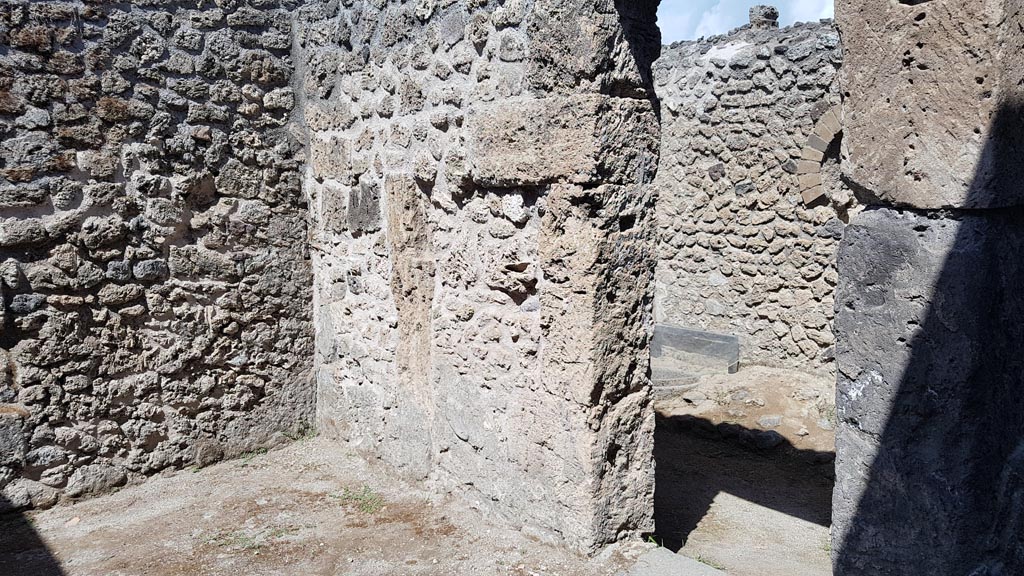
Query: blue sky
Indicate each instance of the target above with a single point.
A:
(689, 19)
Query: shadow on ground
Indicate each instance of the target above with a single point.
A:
(697, 459)
(22, 550)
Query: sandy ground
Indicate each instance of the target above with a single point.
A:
(309, 508)
(745, 472)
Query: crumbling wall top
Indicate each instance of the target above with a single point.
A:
(764, 17)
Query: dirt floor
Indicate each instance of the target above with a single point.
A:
(745, 469)
(744, 480)
(310, 508)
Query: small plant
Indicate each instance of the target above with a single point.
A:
(721, 396)
(301, 436)
(282, 532)
(238, 540)
(247, 457)
(710, 562)
(365, 500)
(827, 410)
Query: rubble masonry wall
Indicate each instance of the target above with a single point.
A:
(154, 267)
(742, 250)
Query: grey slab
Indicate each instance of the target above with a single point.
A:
(695, 348)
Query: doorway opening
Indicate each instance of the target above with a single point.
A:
(751, 211)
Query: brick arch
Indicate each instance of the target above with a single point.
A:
(826, 130)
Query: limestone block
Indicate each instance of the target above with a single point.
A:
(12, 440)
(808, 181)
(364, 206)
(932, 90)
(928, 401)
(811, 195)
(330, 158)
(598, 277)
(334, 200)
(412, 284)
(578, 139)
(808, 167)
(832, 121)
(812, 154)
(817, 142)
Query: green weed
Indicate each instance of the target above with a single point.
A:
(365, 500)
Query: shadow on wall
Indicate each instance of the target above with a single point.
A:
(943, 403)
(697, 459)
(639, 20)
(22, 550)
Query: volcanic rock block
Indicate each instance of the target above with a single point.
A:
(764, 17)
(12, 440)
(929, 409)
(925, 82)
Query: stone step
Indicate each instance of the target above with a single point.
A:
(663, 562)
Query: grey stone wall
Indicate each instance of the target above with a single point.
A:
(929, 405)
(750, 210)
(154, 271)
(929, 402)
(482, 239)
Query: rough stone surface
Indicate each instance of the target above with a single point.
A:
(308, 521)
(929, 340)
(662, 562)
(925, 82)
(740, 251)
(538, 141)
(764, 16)
(929, 405)
(433, 223)
(156, 285)
(483, 240)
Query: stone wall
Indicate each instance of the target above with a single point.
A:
(154, 270)
(929, 453)
(751, 207)
(482, 234)
(480, 178)
(481, 231)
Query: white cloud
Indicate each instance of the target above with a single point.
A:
(807, 10)
(722, 17)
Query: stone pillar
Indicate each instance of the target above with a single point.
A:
(482, 322)
(930, 440)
